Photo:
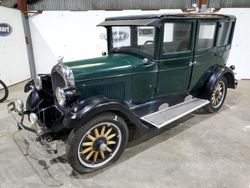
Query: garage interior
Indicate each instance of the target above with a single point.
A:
(198, 150)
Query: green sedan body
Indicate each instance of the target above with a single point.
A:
(158, 68)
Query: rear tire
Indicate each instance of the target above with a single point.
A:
(4, 92)
(97, 144)
(218, 96)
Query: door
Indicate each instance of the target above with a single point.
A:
(176, 55)
(205, 53)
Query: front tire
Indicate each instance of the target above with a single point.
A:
(97, 144)
(218, 96)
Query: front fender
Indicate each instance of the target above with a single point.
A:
(84, 111)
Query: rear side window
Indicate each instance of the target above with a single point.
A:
(224, 33)
(206, 35)
(176, 37)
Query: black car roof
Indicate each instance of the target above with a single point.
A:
(177, 15)
(155, 19)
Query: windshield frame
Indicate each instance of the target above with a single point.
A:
(112, 50)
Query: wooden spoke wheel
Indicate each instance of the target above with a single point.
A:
(98, 143)
(218, 96)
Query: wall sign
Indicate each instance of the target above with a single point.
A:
(5, 29)
(119, 36)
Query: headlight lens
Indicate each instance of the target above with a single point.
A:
(33, 118)
(19, 105)
(60, 96)
(38, 82)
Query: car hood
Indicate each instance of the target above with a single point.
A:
(102, 67)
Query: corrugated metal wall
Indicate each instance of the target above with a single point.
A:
(84, 5)
(229, 3)
(8, 3)
(77, 5)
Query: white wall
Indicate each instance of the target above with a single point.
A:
(239, 55)
(74, 35)
(14, 64)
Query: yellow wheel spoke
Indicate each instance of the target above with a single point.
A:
(111, 136)
(87, 143)
(212, 98)
(96, 133)
(111, 142)
(95, 156)
(218, 86)
(102, 131)
(90, 154)
(108, 149)
(86, 150)
(108, 132)
(91, 137)
(102, 154)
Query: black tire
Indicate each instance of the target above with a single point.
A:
(216, 97)
(4, 92)
(79, 142)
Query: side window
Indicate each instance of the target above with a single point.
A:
(145, 35)
(206, 35)
(176, 37)
(224, 33)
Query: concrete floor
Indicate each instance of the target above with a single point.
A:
(200, 150)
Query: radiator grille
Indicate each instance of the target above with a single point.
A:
(57, 80)
(108, 89)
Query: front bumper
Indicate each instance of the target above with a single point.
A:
(31, 133)
(12, 109)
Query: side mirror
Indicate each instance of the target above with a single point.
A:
(104, 53)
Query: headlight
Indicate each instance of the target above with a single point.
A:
(38, 82)
(19, 105)
(33, 118)
(66, 96)
(60, 96)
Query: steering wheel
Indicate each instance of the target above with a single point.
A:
(148, 42)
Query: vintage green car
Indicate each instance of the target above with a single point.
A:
(158, 69)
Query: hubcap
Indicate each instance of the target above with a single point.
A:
(103, 147)
(218, 94)
(99, 145)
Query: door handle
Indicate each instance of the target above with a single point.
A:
(149, 64)
(193, 63)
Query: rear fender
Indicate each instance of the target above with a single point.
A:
(218, 72)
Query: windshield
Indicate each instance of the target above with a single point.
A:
(133, 39)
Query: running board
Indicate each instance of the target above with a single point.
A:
(168, 115)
